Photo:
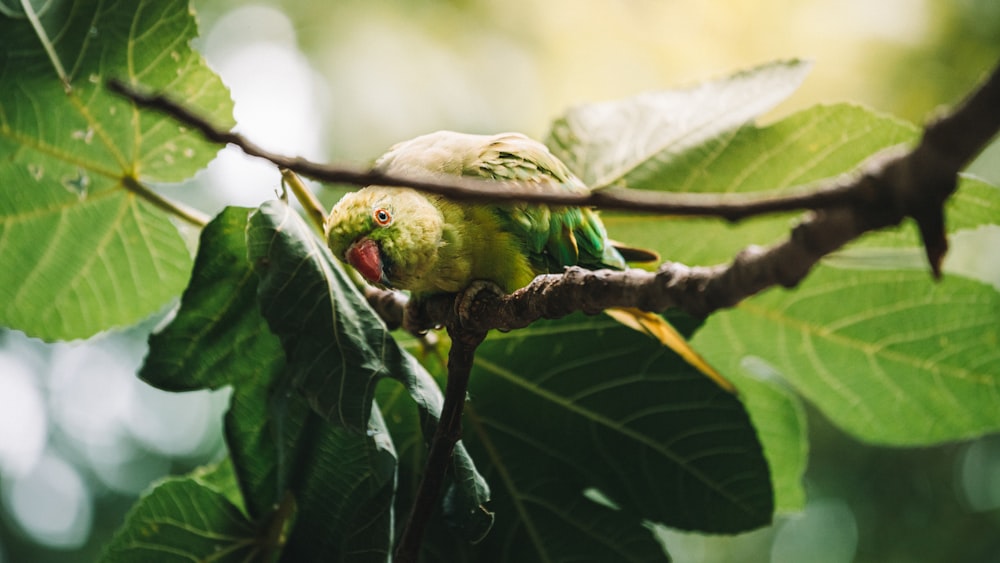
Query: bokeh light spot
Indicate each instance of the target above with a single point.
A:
(52, 504)
(23, 424)
(826, 532)
(979, 474)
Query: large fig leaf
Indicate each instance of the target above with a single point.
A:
(82, 251)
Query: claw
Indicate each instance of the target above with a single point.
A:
(467, 298)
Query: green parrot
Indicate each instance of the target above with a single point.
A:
(404, 239)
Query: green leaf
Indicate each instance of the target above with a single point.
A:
(337, 348)
(218, 336)
(775, 411)
(341, 482)
(814, 144)
(83, 251)
(183, 520)
(588, 531)
(221, 478)
(263, 439)
(811, 145)
(587, 403)
(605, 143)
(554, 521)
(845, 337)
(890, 356)
(976, 203)
(806, 147)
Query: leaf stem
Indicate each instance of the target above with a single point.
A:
(313, 208)
(449, 430)
(179, 210)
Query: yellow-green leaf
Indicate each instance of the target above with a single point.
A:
(82, 250)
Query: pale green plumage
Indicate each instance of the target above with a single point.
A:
(437, 245)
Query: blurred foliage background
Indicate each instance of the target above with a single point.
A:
(81, 437)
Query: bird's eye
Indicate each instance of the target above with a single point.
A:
(382, 217)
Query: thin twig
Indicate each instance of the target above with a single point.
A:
(449, 430)
(728, 206)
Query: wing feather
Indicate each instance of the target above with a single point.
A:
(554, 237)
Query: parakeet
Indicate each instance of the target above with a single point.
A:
(428, 244)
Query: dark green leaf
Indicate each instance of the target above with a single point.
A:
(808, 146)
(337, 348)
(218, 336)
(343, 483)
(339, 480)
(588, 403)
(551, 520)
(82, 252)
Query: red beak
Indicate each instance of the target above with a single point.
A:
(365, 256)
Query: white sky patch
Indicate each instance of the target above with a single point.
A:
(23, 422)
(825, 532)
(277, 99)
(90, 392)
(173, 424)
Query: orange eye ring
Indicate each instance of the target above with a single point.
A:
(382, 217)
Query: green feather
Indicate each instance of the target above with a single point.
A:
(554, 237)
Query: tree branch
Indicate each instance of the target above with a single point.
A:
(891, 186)
(728, 206)
(449, 430)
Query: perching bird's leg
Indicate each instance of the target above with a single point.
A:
(466, 300)
(415, 318)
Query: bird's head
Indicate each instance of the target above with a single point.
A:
(389, 235)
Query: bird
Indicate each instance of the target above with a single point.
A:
(427, 244)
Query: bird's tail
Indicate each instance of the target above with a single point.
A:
(657, 327)
(634, 254)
